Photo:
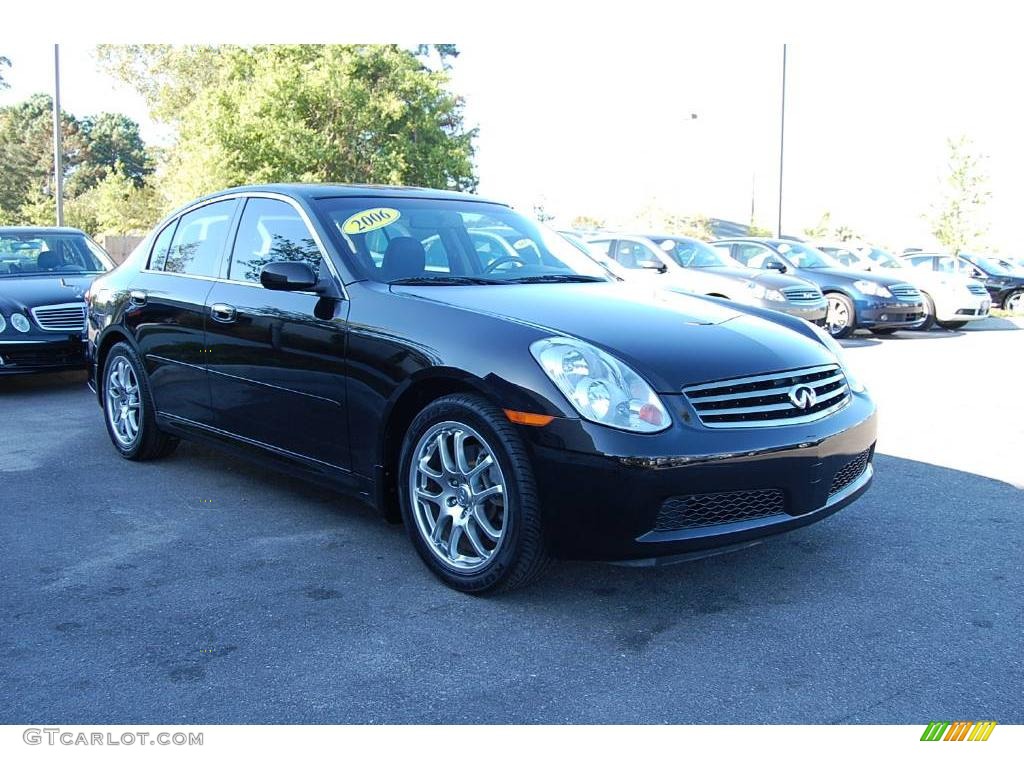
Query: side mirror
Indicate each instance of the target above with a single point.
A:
(288, 276)
(977, 274)
(778, 266)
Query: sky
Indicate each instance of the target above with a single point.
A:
(604, 129)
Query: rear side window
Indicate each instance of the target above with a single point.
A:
(162, 247)
(199, 240)
(270, 230)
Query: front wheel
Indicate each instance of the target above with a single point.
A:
(952, 325)
(841, 317)
(469, 498)
(1014, 302)
(929, 313)
(128, 408)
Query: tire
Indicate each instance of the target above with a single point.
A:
(1014, 302)
(448, 498)
(952, 325)
(125, 378)
(929, 313)
(841, 318)
(883, 331)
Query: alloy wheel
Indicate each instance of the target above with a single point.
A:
(838, 316)
(1014, 302)
(123, 401)
(458, 497)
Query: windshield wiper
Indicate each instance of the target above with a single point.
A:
(447, 280)
(559, 279)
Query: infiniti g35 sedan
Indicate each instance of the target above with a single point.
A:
(505, 400)
(44, 273)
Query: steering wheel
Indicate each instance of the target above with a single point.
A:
(507, 259)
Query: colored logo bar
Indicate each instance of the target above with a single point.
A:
(959, 730)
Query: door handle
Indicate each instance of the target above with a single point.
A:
(222, 313)
(138, 298)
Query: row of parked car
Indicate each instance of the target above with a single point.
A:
(840, 286)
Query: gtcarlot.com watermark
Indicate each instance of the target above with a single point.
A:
(69, 738)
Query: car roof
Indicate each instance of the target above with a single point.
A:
(320, 191)
(40, 231)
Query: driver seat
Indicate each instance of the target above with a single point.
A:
(404, 257)
(48, 261)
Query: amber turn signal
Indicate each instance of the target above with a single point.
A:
(528, 419)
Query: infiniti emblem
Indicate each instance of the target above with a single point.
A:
(802, 396)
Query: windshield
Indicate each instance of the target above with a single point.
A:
(46, 253)
(694, 254)
(994, 266)
(805, 257)
(885, 259)
(407, 240)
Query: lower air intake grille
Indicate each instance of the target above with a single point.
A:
(700, 510)
(850, 472)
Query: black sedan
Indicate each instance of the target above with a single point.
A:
(44, 273)
(856, 299)
(1004, 283)
(507, 403)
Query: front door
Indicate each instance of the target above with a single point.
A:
(276, 358)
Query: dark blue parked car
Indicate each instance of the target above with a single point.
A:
(856, 299)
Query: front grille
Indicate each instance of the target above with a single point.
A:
(765, 401)
(850, 472)
(802, 295)
(700, 510)
(60, 317)
(977, 290)
(905, 291)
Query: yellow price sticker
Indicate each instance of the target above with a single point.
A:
(369, 220)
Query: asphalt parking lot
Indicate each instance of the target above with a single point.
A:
(206, 589)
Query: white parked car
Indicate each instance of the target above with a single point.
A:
(951, 300)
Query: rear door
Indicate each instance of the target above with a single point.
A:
(277, 358)
(167, 308)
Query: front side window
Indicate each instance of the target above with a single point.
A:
(633, 255)
(805, 257)
(695, 254)
(421, 240)
(270, 230)
(199, 240)
(924, 262)
(884, 259)
(50, 253)
(754, 256)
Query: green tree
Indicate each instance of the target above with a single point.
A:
(822, 230)
(117, 205)
(92, 148)
(312, 113)
(957, 217)
(585, 222)
(4, 62)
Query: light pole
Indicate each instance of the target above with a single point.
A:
(58, 170)
(782, 139)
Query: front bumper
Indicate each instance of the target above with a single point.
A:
(41, 355)
(966, 307)
(888, 313)
(735, 487)
(811, 312)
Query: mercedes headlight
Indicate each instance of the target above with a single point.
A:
(20, 322)
(3, 323)
(837, 351)
(872, 288)
(601, 389)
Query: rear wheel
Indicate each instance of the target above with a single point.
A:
(841, 318)
(468, 496)
(128, 408)
(929, 313)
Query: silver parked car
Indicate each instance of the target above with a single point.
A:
(694, 266)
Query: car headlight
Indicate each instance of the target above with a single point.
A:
(600, 388)
(3, 323)
(872, 288)
(761, 292)
(20, 322)
(837, 351)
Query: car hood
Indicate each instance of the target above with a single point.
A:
(849, 275)
(39, 290)
(672, 339)
(768, 278)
